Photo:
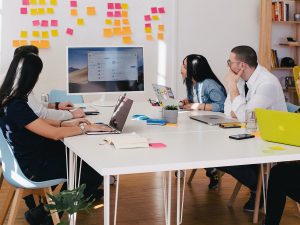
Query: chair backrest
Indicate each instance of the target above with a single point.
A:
(61, 96)
(13, 173)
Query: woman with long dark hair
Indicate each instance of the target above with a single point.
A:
(36, 142)
(204, 90)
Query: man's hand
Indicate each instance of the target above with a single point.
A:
(77, 113)
(65, 106)
(232, 79)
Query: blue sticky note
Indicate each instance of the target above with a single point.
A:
(140, 117)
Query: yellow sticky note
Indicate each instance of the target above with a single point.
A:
(35, 33)
(117, 31)
(108, 22)
(41, 11)
(127, 40)
(35, 43)
(33, 2)
(278, 148)
(125, 21)
(160, 36)
(149, 37)
(155, 17)
(23, 42)
(171, 124)
(45, 34)
(53, 2)
(148, 30)
(50, 10)
(44, 44)
(42, 2)
(126, 30)
(91, 11)
(16, 43)
(33, 12)
(124, 6)
(107, 32)
(80, 21)
(73, 12)
(117, 23)
(54, 33)
(124, 14)
(24, 34)
(161, 27)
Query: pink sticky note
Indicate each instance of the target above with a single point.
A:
(110, 5)
(117, 13)
(161, 10)
(44, 23)
(73, 3)
(147, 17)
(118, 6)
(110, 14)
(23, 10)
(35, 23)
(70, 31)
(25, 2)
(157, 145)
(54, 23)
(148, 25)
(154, 10)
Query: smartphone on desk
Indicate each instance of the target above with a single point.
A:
(241, 136)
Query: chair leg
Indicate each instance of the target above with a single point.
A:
(192, 176)
(234, 194)
(6, 204)
(54, 214)
(15, 206)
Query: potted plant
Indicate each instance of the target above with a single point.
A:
(170, 113)
(70, 201)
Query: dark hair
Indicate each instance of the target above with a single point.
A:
(21, 77)
(197, 68)
(27, 48)
(246, 54)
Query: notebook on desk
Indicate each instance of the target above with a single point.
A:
(213, 119)
(118, 117)
(278, 126)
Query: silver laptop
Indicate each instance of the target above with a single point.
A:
(118, 117)
(213, 119)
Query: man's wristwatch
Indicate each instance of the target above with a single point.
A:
(82, 127)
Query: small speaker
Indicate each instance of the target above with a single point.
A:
(297, 16)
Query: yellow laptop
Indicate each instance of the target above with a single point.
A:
(278, 126)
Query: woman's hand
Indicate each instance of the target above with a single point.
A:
(183, 102)
(65, 105)
(75, 122)
(97, 127)
(192, 106)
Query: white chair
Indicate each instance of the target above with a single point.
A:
(20, 185)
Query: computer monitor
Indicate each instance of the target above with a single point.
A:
(92, 70)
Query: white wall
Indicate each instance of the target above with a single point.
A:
(208, 27)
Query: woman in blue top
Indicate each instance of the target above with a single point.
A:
(204, 90)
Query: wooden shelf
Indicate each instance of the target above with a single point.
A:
(287, 22)
(291, 44)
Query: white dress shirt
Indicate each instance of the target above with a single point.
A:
(43, 112)
(265, 91)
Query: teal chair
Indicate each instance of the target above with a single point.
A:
(61, 96)
(20, 185)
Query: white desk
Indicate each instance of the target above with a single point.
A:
(189, 145)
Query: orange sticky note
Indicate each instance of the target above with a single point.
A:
(45, 34)
(117, 31)
(23, 42)
(35, 33)
(107, 32)
(148, 30)
(117, 23)
(33, 2)
(124, 14)
(108, 22)
(160, 36)
(33, 12)
(35, 43)
(80, 21)
(161, 27)
(149, 37)
(16, 43)
(127, 40)
(91, 11)
(54, 33)
(155, 17)
(23, 34)
(53, 2)
(125, 21)
(124, 6)
(50, 10)
(73, 12)
(44, 44)
(41, 11)
(126, 30)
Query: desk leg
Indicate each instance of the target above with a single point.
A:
(179, 213)
(260, 185)
(106, 199)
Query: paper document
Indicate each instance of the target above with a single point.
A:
(128, 141)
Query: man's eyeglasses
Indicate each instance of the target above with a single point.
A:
(229, 62)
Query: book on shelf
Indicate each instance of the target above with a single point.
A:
(274, 59)
(280, 11)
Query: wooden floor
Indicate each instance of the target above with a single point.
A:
(141, 203)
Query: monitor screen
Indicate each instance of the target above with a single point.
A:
(104, 69)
